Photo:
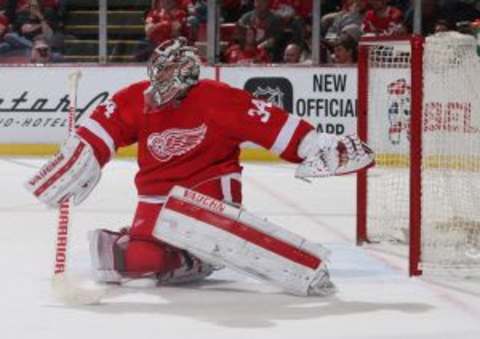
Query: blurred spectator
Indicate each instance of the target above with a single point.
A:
(268, 27)
(166, 20)
(28, 26)
(349, 32)
(295, 54)
(7, 9)
(457, 13)
(331, 6)
(10, 7)
(42, 53)
(232, 10)
(331, 14)
(4, 22)
(293, 24)
(353, 31)
(402, 5)
(442, 26)
(197, 15)
(431, 13)
(305, 9)
(352, 14)
(460, 10)
(7, 15)
(246, 51)
(53, 10)
(449, 11)
(383, 19)
(3, 13)
(464, 27)
(292, 54)
(285, 9)
(345, 51)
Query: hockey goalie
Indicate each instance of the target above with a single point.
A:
(189, 219)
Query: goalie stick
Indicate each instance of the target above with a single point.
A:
(65, 287)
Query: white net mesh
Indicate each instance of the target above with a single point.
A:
(388, 121)
(451, 154)
(450, 226)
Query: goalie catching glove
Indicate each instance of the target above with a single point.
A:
(327, 154)
(72, 173)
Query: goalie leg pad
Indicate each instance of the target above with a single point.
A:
(222, 234)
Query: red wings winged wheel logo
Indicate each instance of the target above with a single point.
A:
(175, 142)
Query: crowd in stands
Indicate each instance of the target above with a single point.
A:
(31, 30)
(251, 31)
(284, 27)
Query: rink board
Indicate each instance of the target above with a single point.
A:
(34, 100)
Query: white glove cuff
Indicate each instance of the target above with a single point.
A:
(313, 142)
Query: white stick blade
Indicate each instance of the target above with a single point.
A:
(69, 291)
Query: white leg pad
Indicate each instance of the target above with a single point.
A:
(222, 234)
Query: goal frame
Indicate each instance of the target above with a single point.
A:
(415, 189)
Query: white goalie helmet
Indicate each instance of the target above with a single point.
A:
(173, 68)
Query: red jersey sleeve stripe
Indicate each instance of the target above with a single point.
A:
(96, 129)
(285, 135)
(290, 153)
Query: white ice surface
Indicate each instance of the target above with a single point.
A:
(376, 299)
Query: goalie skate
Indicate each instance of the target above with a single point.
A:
(191, 270)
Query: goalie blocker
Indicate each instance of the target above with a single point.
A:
(223, 234)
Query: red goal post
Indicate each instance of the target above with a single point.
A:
(419, 109)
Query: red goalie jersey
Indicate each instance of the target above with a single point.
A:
(189, 141)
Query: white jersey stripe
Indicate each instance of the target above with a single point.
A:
(235, 176)
(152, 199)
(285, 135)
(226, 183)
(97, 129)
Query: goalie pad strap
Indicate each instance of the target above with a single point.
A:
(245, 232)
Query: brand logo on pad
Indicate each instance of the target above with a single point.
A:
(175, 142)
(205, 201)
(47, 169)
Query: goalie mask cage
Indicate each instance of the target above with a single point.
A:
(419, 109)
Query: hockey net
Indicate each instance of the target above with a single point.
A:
(419, 109)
